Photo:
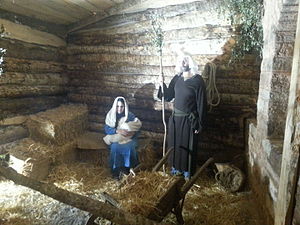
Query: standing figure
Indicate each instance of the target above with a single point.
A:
(188, 90)
(121, 127)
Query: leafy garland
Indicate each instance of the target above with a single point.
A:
(246, 17)
(2, 50)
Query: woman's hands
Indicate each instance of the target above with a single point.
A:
(125, 133)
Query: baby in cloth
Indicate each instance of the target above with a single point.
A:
(129, 126)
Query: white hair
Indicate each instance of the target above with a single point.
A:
(192, 64)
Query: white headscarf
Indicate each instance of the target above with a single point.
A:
(185, 56)
(111, 116)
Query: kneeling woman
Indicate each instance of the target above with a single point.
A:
(121, 127)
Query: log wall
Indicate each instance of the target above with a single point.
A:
(116, 57)
(266, 135)
(34, 77)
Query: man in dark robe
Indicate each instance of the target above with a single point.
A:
(188, 90)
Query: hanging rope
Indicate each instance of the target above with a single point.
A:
(213, 95)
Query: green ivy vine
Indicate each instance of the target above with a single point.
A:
(246, 17)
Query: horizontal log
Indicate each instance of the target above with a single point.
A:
(143, 115)
(139, 87)
(12, 133)
(22, 106)
(197, 46)
(219, 153)
(156, 127)
(225, 137)
(227, 123)
(238, 71)
(197, 35)
(23, 50)
(151, 60)
(16, 91)
(239, 99)
(34, 78)
(119, 58)
(143, 10)
(57, 29)
(145, 92)
(183, 15)
(237, 86)
(32, 66)
(95, 78)
(27, 34)
(95, 207)
(120, 68)
(143, 50)
(96, 127)
(106, 101)
(226, 99)
(16, 120)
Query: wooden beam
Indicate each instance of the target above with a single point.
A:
(101, 15)
(35, 10)
(27, 34)
(125, 7)
(95, 207)
(290, 157)
(83, 4)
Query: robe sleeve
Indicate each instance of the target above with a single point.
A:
(109, 130)
(201, 106)
(169, 92)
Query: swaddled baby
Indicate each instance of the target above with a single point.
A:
(134, 125)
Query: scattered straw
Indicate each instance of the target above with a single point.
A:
(205, 203)
(142, 192)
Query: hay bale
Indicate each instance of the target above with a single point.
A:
(33, 159)
(59, 125)
(30, 158)
(65, 153)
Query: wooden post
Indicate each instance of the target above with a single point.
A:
(290, 157)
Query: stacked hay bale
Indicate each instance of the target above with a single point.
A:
(53, 135)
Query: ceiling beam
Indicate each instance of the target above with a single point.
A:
(129, 6)
(118, 8)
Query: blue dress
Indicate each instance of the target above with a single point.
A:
(123, 155)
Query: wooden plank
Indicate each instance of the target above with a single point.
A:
(112, 11)
(27, 34)
(102, 4)
(290, 156)
(84, 4)
(137, 6)
(34, 10)
(71, 10)
(35, 23)
(167, 201)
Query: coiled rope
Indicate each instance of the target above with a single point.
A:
(213, 95)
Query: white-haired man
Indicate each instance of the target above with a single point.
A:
(188, 90)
